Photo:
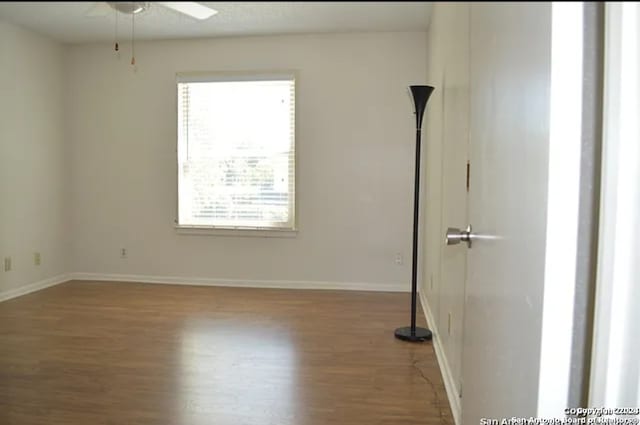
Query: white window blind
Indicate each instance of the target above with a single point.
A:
(236, 151)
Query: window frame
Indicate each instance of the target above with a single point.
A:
(242, 231)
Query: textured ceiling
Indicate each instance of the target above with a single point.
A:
(68, 21)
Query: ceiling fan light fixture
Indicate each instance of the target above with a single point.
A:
(129, 8)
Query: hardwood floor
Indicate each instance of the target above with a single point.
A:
(88, 353)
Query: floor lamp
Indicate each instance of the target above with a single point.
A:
(412, 333)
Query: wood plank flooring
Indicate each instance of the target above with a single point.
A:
(98, 353)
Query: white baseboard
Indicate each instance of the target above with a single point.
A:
(33, 287)
(447, 376)
(204, 281)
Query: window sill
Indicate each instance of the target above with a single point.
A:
(244, 232)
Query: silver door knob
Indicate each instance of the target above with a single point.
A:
(455, 236)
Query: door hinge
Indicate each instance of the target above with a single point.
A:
(468, 174)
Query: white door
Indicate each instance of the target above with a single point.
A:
(510, 61)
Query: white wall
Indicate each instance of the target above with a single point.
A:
(355, 141)
(32, 159)
(615, 367)
(432, 158)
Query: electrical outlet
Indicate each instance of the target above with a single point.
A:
(398, 259)
(36, 258)
(7, 264)
(449, 324)
(123, 252)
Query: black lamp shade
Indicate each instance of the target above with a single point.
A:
(420, 96)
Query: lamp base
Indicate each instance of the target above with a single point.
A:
(420, 334)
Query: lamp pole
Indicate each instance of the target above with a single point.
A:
(412, 333)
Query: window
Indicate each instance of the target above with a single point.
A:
(236, 151)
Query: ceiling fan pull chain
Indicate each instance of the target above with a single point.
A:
(117, 48)
(133, 33)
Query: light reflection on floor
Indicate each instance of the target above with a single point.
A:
(236, 370)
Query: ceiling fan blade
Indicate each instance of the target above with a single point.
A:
(98, 9)
(191, 8)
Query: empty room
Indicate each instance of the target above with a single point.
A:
(306, 213)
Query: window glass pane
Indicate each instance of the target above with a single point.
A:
(236, 153)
